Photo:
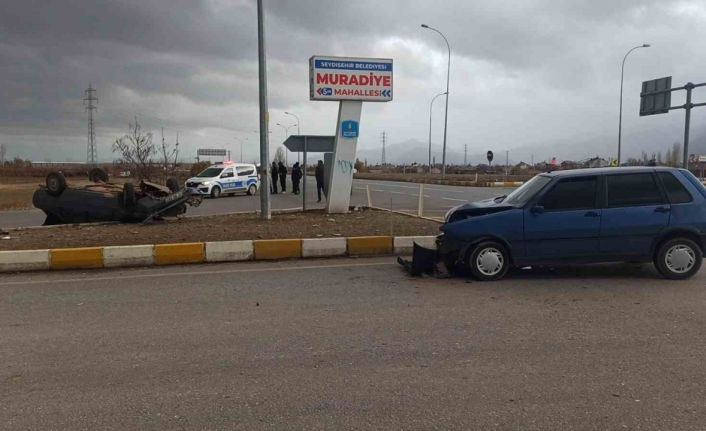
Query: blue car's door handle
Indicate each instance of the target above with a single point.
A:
(592, 214)
(662, 209)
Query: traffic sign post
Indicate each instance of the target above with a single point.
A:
(655, 98)
(350, 81)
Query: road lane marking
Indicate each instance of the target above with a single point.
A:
(457, 200)
(195, 273)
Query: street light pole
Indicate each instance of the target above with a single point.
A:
(265, 213)
(240, 141)
(446, 113)
(286, 135)
(622, 73)
(431, 105)
(298, 133)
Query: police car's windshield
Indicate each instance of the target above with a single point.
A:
(523, 194)
(210, 173)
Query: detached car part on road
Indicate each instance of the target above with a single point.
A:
(578, 216)
(104, 201)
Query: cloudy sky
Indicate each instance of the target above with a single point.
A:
(538, 76)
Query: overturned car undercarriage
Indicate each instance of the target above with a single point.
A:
(105, 201)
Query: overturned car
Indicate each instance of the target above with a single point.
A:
(105, 201)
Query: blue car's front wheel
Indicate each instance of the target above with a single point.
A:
(488, 261)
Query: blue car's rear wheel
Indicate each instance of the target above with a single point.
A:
(678, 258)
(488, 261)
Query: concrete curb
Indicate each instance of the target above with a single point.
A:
(271, 249)
(365, 245)
(24, 260)
(199, 252)
(128, 255)
(76, 258)
(323, 247)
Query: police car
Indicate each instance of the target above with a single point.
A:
(224, 178)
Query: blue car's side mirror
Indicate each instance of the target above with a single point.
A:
(538, 209)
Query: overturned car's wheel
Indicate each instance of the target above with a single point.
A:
(678, 258)
(128, 197)
(98, 175)
(56, 183)
(173, 185)
(489, 261)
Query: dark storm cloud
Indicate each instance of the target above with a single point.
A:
(551, 66)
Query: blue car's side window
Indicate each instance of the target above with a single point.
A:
(625, 190)
(676, 192)
(571, 194)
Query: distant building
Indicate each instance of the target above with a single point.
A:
(597, 162)
(522, 166)
(569, 164)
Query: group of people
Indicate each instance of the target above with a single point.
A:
(279, 172)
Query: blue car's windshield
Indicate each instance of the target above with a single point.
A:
(524, 193)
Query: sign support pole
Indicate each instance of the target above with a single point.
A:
(265, 213)
(687, 107)
(304, 178)
(339, 191)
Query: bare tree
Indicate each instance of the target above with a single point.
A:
(3, 153)
(676, 153)
(169, 156)
(136, 150)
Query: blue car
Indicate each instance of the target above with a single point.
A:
(642, 214)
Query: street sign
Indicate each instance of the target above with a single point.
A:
(489, 155)
(210, 152)
(349, 78)
(701, 159)
(349, 129)
(656, 96)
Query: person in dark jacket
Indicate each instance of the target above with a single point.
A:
(274, 175)
(283, 176)
(296, 177)
(319, 173)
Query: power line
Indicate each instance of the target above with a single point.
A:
(88, 101)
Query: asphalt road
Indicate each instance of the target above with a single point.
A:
(351, 344)
(384, 194)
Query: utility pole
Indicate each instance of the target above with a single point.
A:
(382, 160)
(507, 161)
(265, 213)
(89, 102)
(465, 154)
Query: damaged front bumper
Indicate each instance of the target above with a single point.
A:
(440, 261)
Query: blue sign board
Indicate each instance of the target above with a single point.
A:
(349, 129)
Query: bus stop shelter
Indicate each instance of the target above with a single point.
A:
(310, 143)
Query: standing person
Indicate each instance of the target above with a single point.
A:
(296, 177)
(274, 176)
(319, 173)
(283, 176)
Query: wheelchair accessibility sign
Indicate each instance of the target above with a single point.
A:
(349, 129)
